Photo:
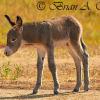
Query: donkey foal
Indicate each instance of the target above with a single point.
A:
(47, 33)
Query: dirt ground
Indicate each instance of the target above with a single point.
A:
(17, 88)
(11, 94)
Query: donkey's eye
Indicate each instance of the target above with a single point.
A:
(13, 40)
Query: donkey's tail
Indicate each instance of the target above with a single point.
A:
(83, 44)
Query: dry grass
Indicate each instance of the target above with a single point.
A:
(28, 11)
(19, 70)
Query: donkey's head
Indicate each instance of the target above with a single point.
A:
(14, 36)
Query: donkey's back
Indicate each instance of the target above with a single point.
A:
(65, 28)
(59, 29)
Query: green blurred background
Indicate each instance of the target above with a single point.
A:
(27, 9)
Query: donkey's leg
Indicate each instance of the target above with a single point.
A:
(78, 66)
(52, 67)
(40, 59)
(84, 57)
(86, 66)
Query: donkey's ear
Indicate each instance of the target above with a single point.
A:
(19, 21)
(9, 20)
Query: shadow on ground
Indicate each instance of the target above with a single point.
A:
(31, 96)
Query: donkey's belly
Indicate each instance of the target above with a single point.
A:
(60, 39)
(60, 43)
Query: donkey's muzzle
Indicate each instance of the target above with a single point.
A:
(8, 51)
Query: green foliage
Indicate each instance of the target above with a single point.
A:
(5, 70)
(9, 71)
(17, 72)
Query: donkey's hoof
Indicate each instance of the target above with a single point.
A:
(75, 90)
(56, 92)
(86, 89)
(35, 92)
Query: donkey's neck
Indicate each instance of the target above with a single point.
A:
(32, 32)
